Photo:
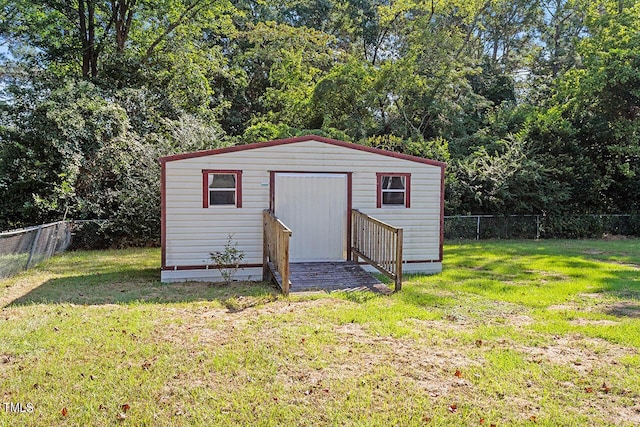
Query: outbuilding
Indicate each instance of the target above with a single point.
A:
(314, 186)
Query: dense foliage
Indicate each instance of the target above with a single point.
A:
(534, 104)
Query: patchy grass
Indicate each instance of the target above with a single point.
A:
(511, 333)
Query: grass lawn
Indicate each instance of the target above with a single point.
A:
(511, 333)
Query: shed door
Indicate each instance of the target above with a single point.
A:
(314, 207)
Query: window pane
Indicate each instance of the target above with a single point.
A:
(393, 198)
(393, 182)
(222, 197)
(220, 180)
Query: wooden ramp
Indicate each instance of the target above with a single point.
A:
(333, 276)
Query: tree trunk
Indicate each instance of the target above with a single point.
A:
(86, 15)
(91, 8)
(122, 17)
(83, 38)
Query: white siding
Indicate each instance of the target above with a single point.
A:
(192, 232)
(210, 275)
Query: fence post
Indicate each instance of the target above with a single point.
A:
(478, 229)
(398, 261)
(33, 247)
(52, 241)
(537, 227)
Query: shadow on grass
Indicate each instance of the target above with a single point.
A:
(143, 286)
(624, 309)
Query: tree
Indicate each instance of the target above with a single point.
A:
(63, 32)
(510, 180)
(595, 112)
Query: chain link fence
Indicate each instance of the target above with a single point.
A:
(478, 227)
(90, 234)
(24, 248)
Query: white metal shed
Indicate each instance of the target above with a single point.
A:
(312, 184)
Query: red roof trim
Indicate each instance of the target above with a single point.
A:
(305, 138)
(163, 215)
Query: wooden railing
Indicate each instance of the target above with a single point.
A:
(379, 244)
(275, 252)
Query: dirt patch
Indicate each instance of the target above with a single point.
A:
(580, 353)
(587, 322)
(563, 307)
(585, 302)
(592, 295)
(6, 360)
(624, 309)
(590, 359)
(618, 309)
(18, 289)
(592, 252)
(431, 370)
(614, 237)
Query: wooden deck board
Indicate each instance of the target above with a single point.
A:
(333, 276)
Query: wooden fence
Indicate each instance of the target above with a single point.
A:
(275, 252)
(379, 244)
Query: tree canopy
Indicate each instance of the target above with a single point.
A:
(534, 104)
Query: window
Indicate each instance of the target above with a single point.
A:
(393, 189)
(221, 188)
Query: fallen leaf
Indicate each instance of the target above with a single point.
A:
(453, 408)
(458, 373)
(605, 388)
(178, 412)
(56, 329)
(121, 416)
(302, 341)
(481, 420)
(102, 407)
(492, 425)
(533, 418)
(434, 394)
(589, 389)
(275, 398)
(326, 390)
(426, 419)
(64, 411)
(478, 343)
(125, 408)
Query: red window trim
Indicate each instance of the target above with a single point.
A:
(407, 190)
(205, 185)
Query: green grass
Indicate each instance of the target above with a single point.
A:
(10, 264)
(538, 333)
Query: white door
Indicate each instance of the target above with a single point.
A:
(314, 207)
